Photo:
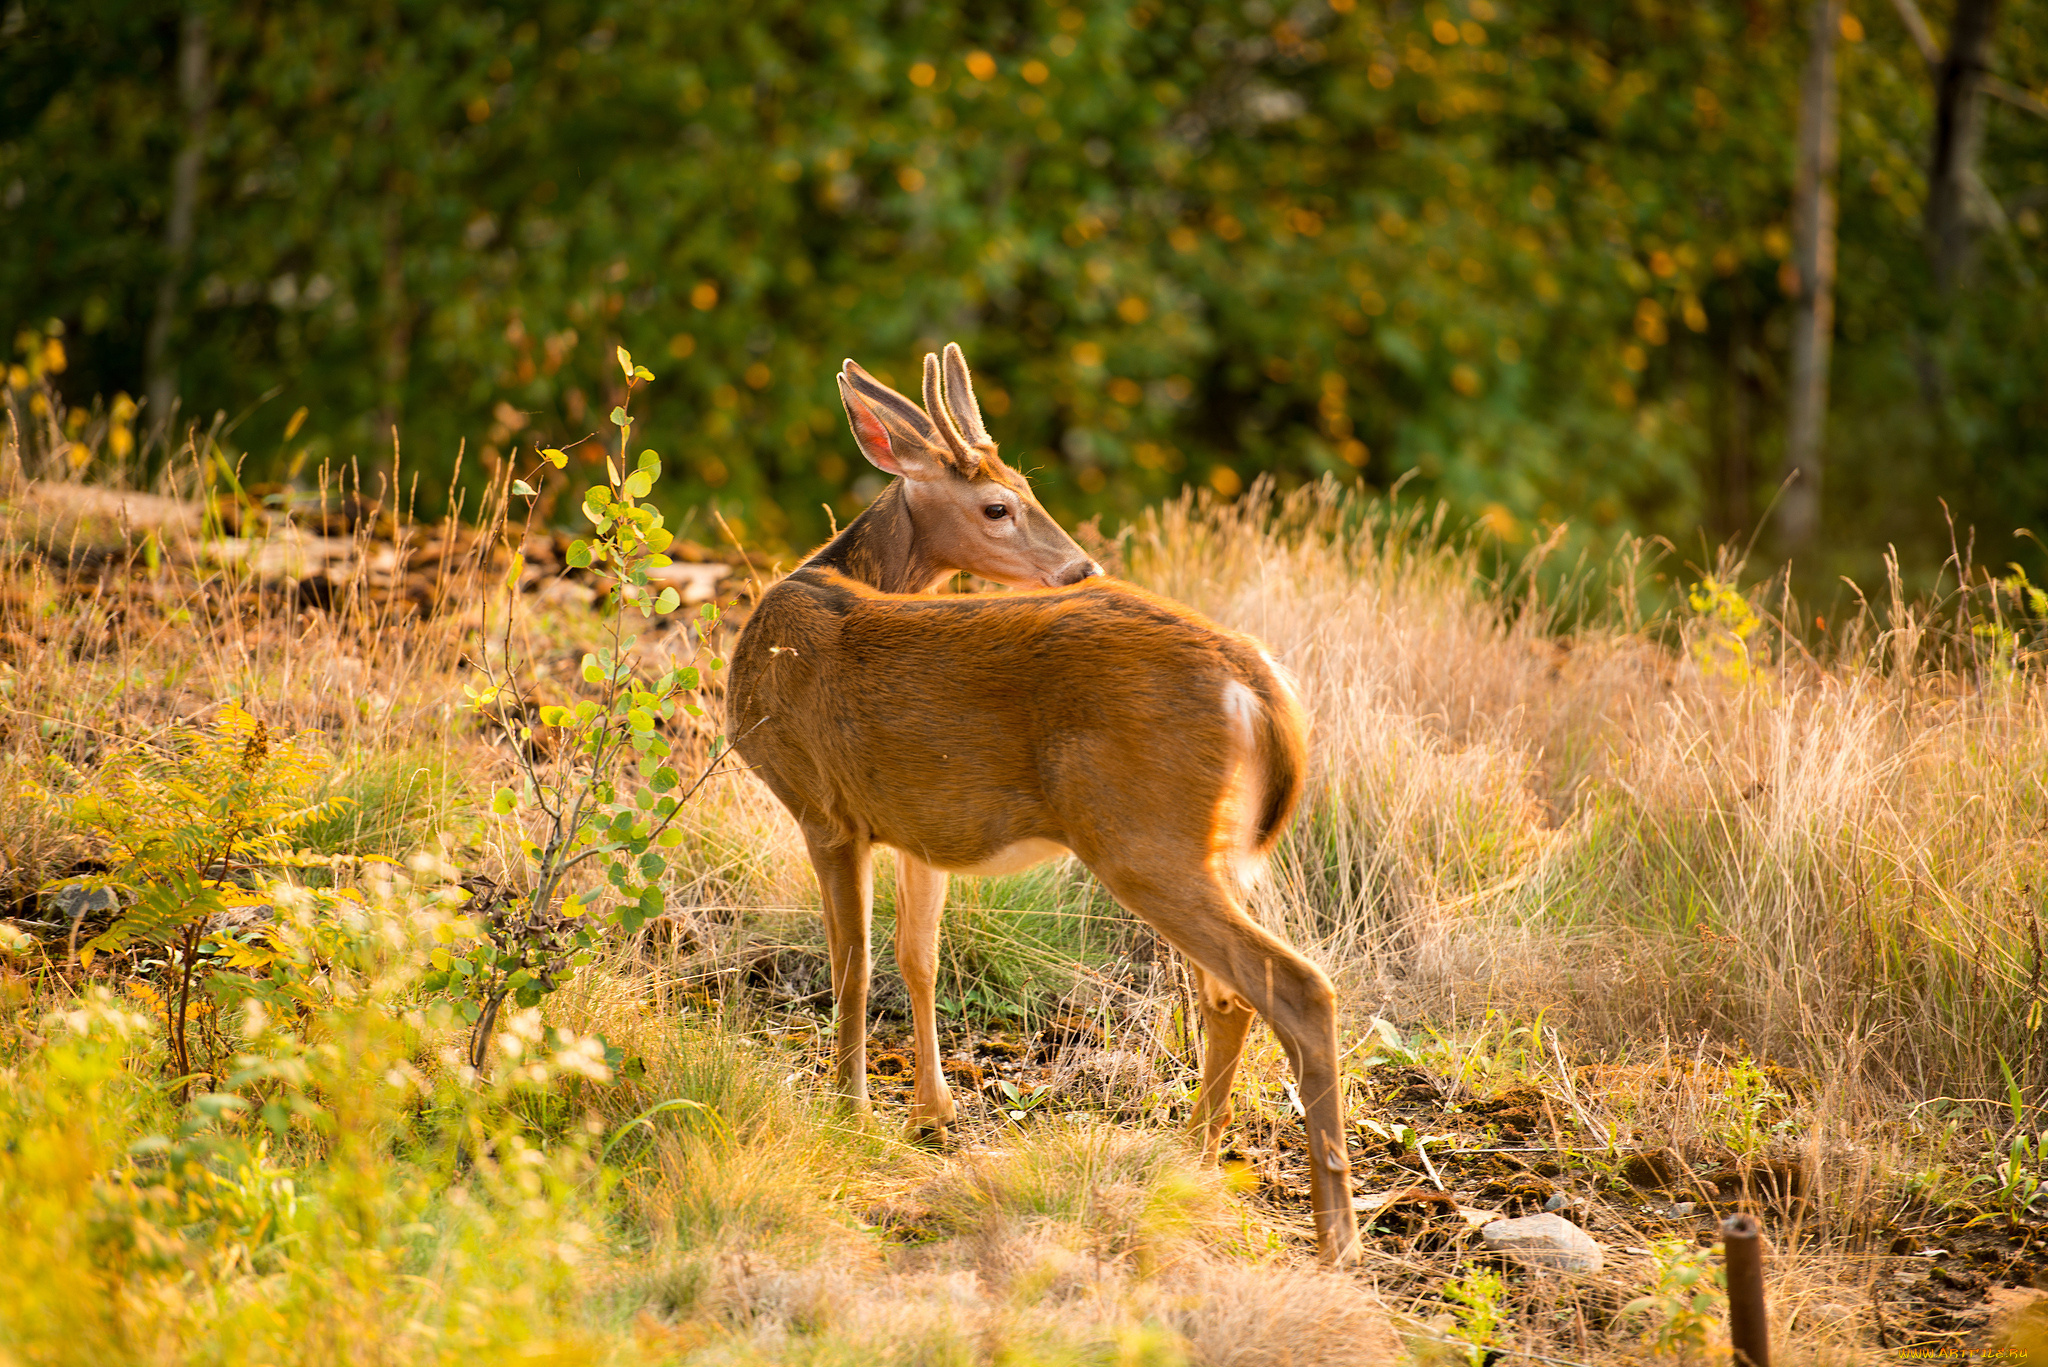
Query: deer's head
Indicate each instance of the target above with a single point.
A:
(971, 511)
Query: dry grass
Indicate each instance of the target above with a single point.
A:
(1541, 803)
(1833, 861)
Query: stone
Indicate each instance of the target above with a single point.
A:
(1548, 1242)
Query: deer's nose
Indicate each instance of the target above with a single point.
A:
(1078, 571)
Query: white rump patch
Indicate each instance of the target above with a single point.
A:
(1247, 785)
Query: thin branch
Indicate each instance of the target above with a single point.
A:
(1916, 25)
(2010, 93)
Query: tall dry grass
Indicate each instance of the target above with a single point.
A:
(1838, 861)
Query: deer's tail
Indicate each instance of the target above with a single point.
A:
(1281, 737)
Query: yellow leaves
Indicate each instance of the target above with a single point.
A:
(1723, 624)
(922, 74)
(981, 66)
(1088, 354)
(1035, 71)
(704, 296)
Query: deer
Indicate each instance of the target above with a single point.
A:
(983, 733)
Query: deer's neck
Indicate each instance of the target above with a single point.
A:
(881, 548)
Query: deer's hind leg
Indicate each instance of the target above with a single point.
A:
(846, 885)
(920, 898)
(1198, 914)
(1225, 1019)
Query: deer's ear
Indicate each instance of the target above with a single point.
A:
(868, 432)
(894, 433)
(959, 398)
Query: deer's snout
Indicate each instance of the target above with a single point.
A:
(1076, 572)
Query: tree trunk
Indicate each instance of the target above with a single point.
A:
(1814, 260)
(395, 339)
(1953, 194)
(195, 96)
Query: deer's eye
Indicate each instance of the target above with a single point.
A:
(995, 512)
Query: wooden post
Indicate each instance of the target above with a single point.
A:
(1749, 1326)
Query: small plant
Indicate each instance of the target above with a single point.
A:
(2014, 635)
(1478, 1294)
(184, 833)
(1019, 1102)
(2019, 1177)
(1752, 1108)
(1724, 624)
(524, 944)
(1685, 1302)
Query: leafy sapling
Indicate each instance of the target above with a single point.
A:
(611, 793)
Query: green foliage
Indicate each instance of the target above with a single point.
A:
(1478, 1295)
(524, 945)
(1685, 1304)
(184, 832)
(1533, 256)
(1751, 1110)
(275, 1220)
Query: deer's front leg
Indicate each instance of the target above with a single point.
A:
(847, 886)
(920, 897)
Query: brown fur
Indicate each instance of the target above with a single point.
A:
(1087, 715)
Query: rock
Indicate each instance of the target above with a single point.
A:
(1550, 1242)
(75, 901)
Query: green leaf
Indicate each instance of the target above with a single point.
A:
(579, 555)
(593, 672)
(554, 716)
(668, 601)
(524, 490)
(652, 865)
(619, 418)
(641, 372)
(639, 484)
(671, 837)
(504, 802)
(651, 463)
(665, 779)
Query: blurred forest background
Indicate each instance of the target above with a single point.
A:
(1541, 259)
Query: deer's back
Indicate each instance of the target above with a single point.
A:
(957, 726)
